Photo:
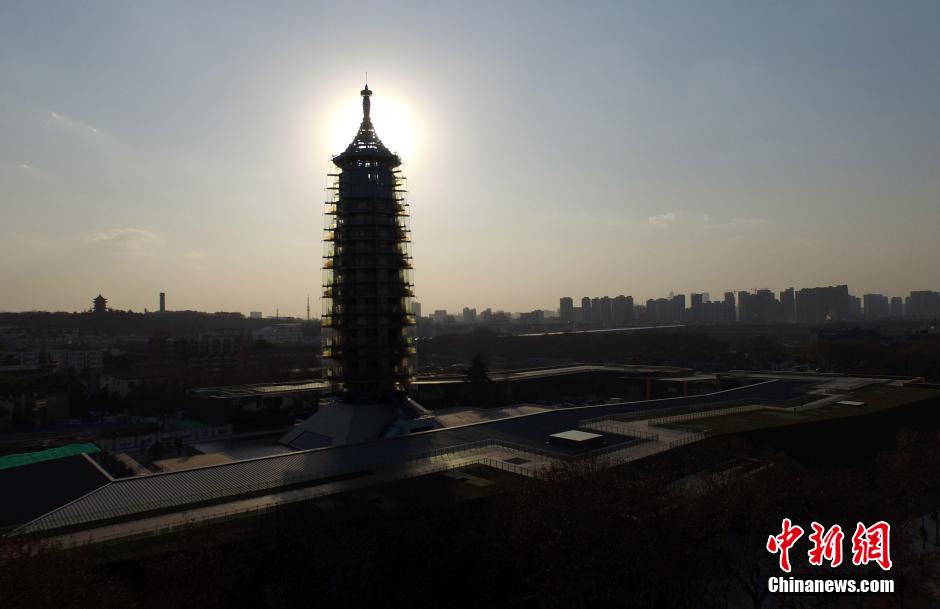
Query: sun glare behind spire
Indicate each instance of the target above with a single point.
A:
(394, 122)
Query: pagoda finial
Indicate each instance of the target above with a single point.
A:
(366, 141)
(366, 102)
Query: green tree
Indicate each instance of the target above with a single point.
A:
(477, 372)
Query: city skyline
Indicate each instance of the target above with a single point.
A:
(872, 301)
(646, 146)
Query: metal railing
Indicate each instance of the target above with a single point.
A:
(691, 416)
(792, 406)
(615, 426)
(687, 439)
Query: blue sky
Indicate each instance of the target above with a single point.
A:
(551, 148)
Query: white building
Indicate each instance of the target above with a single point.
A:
(77, 359)
(279, 333)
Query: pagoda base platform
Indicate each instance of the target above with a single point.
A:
(340, 422)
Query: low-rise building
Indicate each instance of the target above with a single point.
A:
(77, 359)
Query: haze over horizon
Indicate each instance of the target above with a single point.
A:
(551, 150)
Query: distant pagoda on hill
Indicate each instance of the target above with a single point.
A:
(99, 304)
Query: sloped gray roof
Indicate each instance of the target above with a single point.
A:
(128, 496)
(139, 494)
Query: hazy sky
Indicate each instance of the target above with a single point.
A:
(574, 148)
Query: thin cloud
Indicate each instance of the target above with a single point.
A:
(662, 220)
(733, 223)
(27, 168)
(71, 123)
(131, 241)
(806, 243)
(195, 260)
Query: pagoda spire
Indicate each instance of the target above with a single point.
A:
(366, 142)
(366, 103)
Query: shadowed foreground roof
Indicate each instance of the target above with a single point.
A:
(31, 490)
(129, 496)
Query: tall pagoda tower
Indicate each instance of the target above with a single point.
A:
(367, 321)
(367, 287)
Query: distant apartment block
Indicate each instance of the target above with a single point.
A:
(788, 305)
(897, 306)
(819, 305)
(532, 317)
(440, 316)
(923, 303)
(566, 309)
(77, 359)
(19, 360)
(876, 305)
(279, 333)
(621, 310)
(469, 315)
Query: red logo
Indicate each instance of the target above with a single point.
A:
(827, 545)
(872, 544)
(869, 544)
(783, 542)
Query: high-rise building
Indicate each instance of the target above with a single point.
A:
(788, 305)
(818, 305)
(665, 309)
(566, 309)
(744, 306)
(586, 315)
(897, 306)
(604, 314)
(923, 303)
(764, 306)
(163, 302)
(678, 310)
(876, 305)
(714, 312)
(596, 310)
(731, 314)
(649, 311)
(696, 311)
(855, 306)
(532, 317)
(416, 309)
(621, 310)
(469, 315)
